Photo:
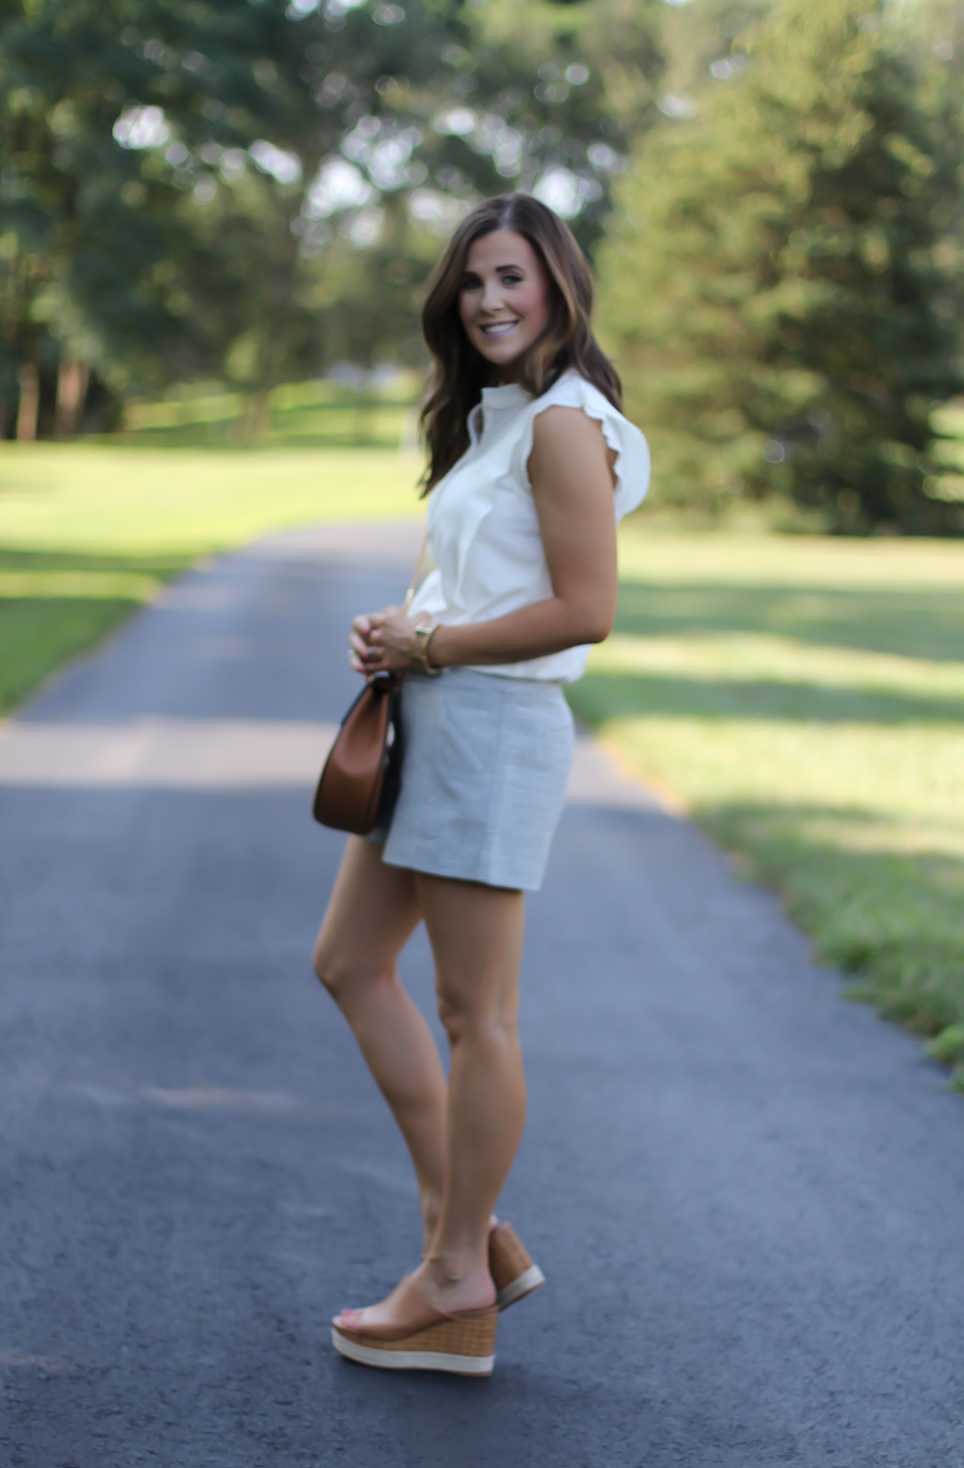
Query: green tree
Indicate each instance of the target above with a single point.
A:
(782, 287)
(314, 240)
(86, 226)
(179, 174)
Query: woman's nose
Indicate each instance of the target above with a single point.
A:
(492, 296)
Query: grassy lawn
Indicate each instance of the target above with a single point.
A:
(90, 531)
(803, 700)
(316, 414)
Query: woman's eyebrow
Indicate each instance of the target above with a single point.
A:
(473, 274)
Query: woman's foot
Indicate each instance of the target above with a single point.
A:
(423, 1299)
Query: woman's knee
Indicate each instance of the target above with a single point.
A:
(327, 966)
(344, 971)
(477, 1015)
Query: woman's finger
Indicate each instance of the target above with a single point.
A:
(377, 619)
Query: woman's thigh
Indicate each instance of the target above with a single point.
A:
(476, 934)
(372, 912)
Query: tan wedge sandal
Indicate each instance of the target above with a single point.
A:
(513, 1272)
(463, 1345)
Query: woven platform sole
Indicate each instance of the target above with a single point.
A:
(463, 1347)
(513, 1271)
(518, 1288)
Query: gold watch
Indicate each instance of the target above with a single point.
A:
(419, 655)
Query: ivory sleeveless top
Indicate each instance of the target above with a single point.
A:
(483, 531)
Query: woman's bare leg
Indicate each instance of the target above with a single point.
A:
(476, 935)
(373, 911)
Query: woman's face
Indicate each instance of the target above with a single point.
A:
(504, 299)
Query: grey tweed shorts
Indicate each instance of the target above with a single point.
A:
(484, 774)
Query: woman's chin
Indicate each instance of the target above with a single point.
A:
(502, 354)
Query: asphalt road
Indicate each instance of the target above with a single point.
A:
(747, 1195)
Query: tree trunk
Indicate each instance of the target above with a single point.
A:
(259, 411)
(29, 402)
(72, 381)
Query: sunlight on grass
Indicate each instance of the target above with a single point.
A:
(655, 555)
(804, 700)
(100, 498)
(57, 584)
(745, 657)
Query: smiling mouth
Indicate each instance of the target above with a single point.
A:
(499, 328)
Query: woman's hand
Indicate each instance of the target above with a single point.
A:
(383, 641)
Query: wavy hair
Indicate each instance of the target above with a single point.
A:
(460, 372)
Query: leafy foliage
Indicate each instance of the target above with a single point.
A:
(186, 178)
(783, 282)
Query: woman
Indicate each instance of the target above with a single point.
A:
(531, 465)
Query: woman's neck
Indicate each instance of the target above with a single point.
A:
(510, 375)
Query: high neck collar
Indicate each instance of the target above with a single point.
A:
(512, 395)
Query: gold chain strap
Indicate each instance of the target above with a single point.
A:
(410, 593)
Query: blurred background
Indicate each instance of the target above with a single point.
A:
(216, 217)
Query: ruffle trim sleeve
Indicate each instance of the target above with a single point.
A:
(632, 467)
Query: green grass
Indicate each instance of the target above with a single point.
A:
(98, 498)
(803, 699)
(53, 607)
(90, 531)
(302, 415)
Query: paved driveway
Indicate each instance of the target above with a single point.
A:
(747, 1195)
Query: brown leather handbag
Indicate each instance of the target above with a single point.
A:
(361, 777)
(363, 769)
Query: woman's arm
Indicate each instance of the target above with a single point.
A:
(570, 469)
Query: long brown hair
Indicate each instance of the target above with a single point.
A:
(460, 372)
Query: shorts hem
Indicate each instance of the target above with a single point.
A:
(439, 869)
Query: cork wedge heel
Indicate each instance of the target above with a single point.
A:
(462, 1346)
(513, 1271)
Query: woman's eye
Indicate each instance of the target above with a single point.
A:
(511, 279)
